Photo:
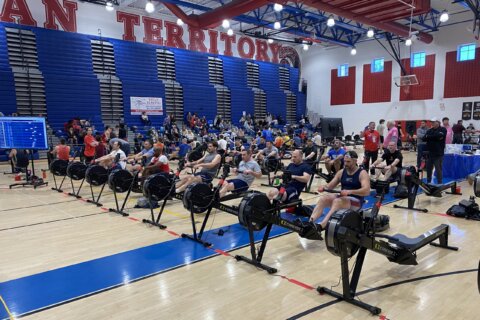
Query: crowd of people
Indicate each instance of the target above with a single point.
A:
(252, 146)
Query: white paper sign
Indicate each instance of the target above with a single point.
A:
(152, 106)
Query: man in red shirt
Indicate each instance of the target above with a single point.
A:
(371, 144)
(90, 144)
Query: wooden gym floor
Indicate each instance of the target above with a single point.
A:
(63, 258)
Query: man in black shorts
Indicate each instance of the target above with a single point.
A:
(208, 164)
(393, 159)
(249, 171)
(300, 172)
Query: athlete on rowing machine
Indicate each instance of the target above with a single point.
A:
(208, 164)
(248, 170)
(300, 172)
(109, 161)
(355, 186)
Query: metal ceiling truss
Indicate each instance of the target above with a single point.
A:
(304, 22)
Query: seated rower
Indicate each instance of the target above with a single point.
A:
(248, 171)
(110, 160)
(300, 175)
(355, 184)
(393, 159)
(208, 164)
(334, 158)
(158, 163)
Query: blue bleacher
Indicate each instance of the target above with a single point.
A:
(72, 89)
(235, 78)
(8, 103)
(270, 83)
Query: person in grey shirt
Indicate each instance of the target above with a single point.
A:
(421, 145)
(208, 164)
(249, 170)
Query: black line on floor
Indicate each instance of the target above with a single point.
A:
(322, 306)
(52, 221)
(37, 205)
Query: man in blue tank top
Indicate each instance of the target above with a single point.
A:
(355, 186)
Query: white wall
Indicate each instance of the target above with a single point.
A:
(318, 62)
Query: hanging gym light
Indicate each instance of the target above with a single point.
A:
(149, 7)
(306, 47)
(230, 32)
(353, 51)
(180, 22)
(225, 24)
(277, 7)
(109, 6)
(277, 25)
(270, 41)
(330, 21)
(370, 33)
(444, 16)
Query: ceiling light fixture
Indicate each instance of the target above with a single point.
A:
(330, 21)
(353, 51)
(230, 32)
(408, 42)
(149, 7)
(370, 33)
(277, 7)
(444, 16)
(109, 6)
(270, 41)
(277, 25)
(226, 24)
(306, 47)
(180, 22)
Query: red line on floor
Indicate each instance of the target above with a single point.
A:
(222, 252)
(299, 283)
(173, 233)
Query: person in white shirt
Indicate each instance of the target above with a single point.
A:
(110, 160)
(222, 145)
(317, 139)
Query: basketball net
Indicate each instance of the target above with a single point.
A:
(406, 89)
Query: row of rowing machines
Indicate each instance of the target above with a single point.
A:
(348, 232)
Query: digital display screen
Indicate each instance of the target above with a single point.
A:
(23, 133)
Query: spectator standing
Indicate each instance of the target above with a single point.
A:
(421, 144)
(435, 138)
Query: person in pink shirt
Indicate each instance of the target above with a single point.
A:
(446, 125)
(392, 135)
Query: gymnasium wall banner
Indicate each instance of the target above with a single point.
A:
(138, 26)
(152, 106)
(476, 110)
(467, 111)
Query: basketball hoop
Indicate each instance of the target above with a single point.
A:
(406, 81)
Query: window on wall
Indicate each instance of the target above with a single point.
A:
(466, 52)
(343, 70)
(417, 59)
(377, 65)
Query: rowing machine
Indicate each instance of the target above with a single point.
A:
(200, 197)
(347, 233)
(161, 187)
(409, 176)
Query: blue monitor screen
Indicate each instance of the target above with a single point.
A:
(467, 147)
(23, 133)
